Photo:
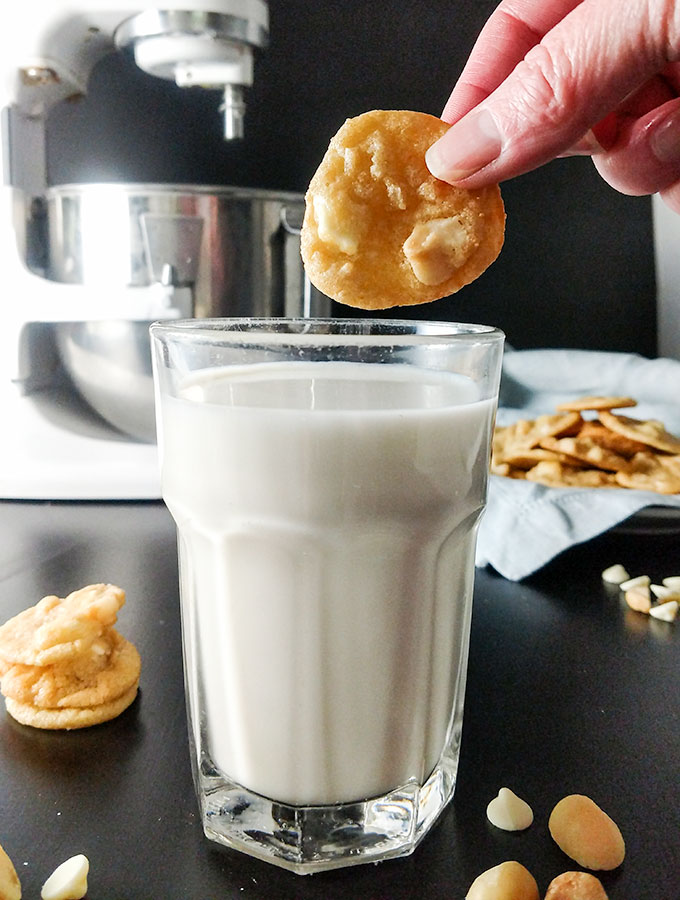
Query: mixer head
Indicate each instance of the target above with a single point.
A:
(53, 45)
(211, 50)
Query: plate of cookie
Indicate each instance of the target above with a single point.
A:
(589, 442)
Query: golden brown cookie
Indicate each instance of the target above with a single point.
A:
(527, 434)
(651, 472)
(380, 231)
(556, 474)
(596, 403)
(62, 685)
(585, 451)
(70, 717)
(647, 431)
(56, 629)
(610, 440)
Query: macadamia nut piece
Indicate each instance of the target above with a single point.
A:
(575, 886)
(586, 833)
(508, 881)
(10, 888)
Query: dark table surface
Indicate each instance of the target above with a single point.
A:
(568, 692)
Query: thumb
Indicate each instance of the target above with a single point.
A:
(582, 69)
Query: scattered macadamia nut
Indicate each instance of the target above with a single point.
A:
(575, 886)
(508, 881)
(586, 833)
(68, 881)
(661, 601)
(509, 812)
(615, 574)
(10, 886)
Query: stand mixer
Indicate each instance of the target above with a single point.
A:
(53, 445)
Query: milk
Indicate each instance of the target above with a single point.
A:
(326, 515)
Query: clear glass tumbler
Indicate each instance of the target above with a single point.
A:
(327, 478)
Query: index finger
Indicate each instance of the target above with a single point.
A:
(510, 32)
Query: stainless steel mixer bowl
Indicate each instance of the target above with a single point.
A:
(237, 249)
(109, 364)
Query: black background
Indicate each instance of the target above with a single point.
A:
(577, 269)
(569, 691)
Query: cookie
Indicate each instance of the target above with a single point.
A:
(585, 450)
(56, 629)
(611, 440)
(581, 404)
(380, 231)
(63, 686)
(70, 718)
(647, 431)
(651, 472)
(555, 474)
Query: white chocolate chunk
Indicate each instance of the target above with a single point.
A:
(336, 224)
(672, 582)
(615, 574)
(638, 581)
(435, 249)
(68, 881)
(666, 612)
(509, 812)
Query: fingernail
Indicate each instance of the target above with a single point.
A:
(467, 147)
(665, 140)
(586, 146)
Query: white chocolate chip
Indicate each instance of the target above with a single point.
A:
(435, 249)
(663, 592)
(68, 881)
(638, 581)
(615, 574)
(509, 812)
(666, 612)
(672, 582)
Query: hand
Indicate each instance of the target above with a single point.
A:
(550, 78)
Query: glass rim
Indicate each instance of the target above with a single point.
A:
(326, 330)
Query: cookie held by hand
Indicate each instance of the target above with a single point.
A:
(380, 230)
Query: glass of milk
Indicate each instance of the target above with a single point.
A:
(327, 478)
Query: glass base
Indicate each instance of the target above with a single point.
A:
(307, 839)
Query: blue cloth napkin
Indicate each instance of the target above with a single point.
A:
(525, 524)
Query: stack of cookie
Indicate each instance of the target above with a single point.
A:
(62, 663)
(566, 449)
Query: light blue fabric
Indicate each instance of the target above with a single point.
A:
(526, 525)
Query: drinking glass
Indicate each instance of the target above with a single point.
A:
(326, 477)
